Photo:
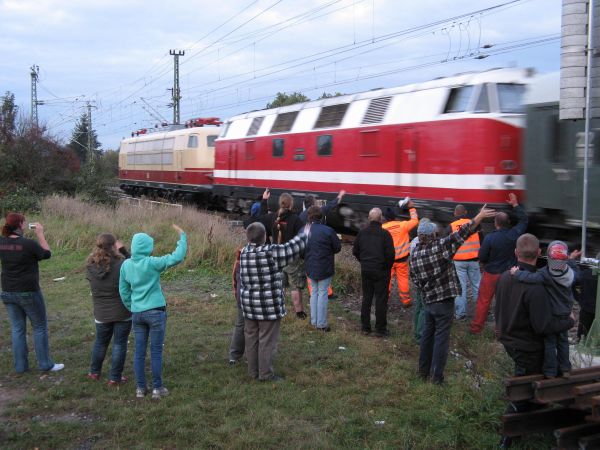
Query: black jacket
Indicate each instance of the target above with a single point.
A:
(524, 314)
(104, 284)
(374, 248)
(289, 224)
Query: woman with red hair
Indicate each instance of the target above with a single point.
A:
(21, 291)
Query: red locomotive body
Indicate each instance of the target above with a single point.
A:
(442, 142)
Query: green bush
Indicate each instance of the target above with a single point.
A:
(20, 200)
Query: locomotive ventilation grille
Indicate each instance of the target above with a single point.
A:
(376, 110)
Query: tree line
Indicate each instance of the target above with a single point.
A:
(35, 164)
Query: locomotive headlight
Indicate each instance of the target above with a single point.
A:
(509, 182)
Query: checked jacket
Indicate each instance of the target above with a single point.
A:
(261, 286)
(432, 268)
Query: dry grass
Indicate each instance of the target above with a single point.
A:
(72, 225)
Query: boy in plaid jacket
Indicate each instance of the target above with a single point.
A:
(262, 298)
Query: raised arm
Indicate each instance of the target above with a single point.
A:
(164, 262)
(522, 219)
(327, 207)
(287, 253)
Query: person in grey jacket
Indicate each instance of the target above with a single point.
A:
(110, 315)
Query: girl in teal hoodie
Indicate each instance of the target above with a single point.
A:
(139, 286)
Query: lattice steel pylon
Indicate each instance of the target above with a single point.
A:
(176, 92)
(35, 71)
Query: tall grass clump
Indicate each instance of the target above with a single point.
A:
(72, 224)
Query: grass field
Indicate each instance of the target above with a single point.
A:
(339, 386)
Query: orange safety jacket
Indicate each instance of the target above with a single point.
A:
(399, 231)
(470, 249)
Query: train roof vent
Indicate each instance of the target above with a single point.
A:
(284, 122)
(331, 116)
(255, 125)
(376, 110)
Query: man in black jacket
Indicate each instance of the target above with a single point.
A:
(523, 313)
(374, 249)
(523, 316)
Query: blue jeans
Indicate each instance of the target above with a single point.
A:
(151, 323)
(435, 339)
(20, 306)
(104, 333)
(467, 271)
(319, 301)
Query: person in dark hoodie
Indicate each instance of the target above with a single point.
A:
(139, 286)
(321, 247)
(112, 318)
(282, 226)
(557, 277)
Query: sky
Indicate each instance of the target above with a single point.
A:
(114, 54)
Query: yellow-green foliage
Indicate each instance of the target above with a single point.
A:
(72, 224)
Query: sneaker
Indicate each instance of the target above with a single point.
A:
(301, 315)
(381, 334)
(274, 379)
(93, 376)
(113, 383)
(233, 362)
(160, 392)
(460, 318)
(57, 367)
(325, 329)
(140, 392)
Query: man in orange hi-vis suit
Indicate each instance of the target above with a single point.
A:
(400, 231)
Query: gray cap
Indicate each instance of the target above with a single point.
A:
(426, 227)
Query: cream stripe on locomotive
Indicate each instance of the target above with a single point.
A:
(426, 180)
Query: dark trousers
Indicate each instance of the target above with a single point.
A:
(526, 363)
(375, 285)
(556, 354)
(261, 345)
(585, 323)
(236, 348)
(435, 339)
(104, 334)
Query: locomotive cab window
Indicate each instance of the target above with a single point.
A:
(483, 103)
(458, 100)
(210, 140)
(192, 141)
(278, 148)
(510, 97)
(324, 145)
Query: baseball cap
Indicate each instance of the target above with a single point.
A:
(558, 255)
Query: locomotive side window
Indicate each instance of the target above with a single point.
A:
(278, 148)
(192, 141)
(483, 104)
(210, 140)
(255, 125)
(284, 122)
(324, 145)
(458, 101)
(510, 97)
(331, 116)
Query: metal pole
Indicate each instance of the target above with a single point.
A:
(588, 96)
(176, 92)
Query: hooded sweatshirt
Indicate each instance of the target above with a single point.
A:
(557, 283)
(139, 284)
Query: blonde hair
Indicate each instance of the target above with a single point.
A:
(103, 252)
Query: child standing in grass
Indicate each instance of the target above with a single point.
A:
(558, 279)
(140, 290)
